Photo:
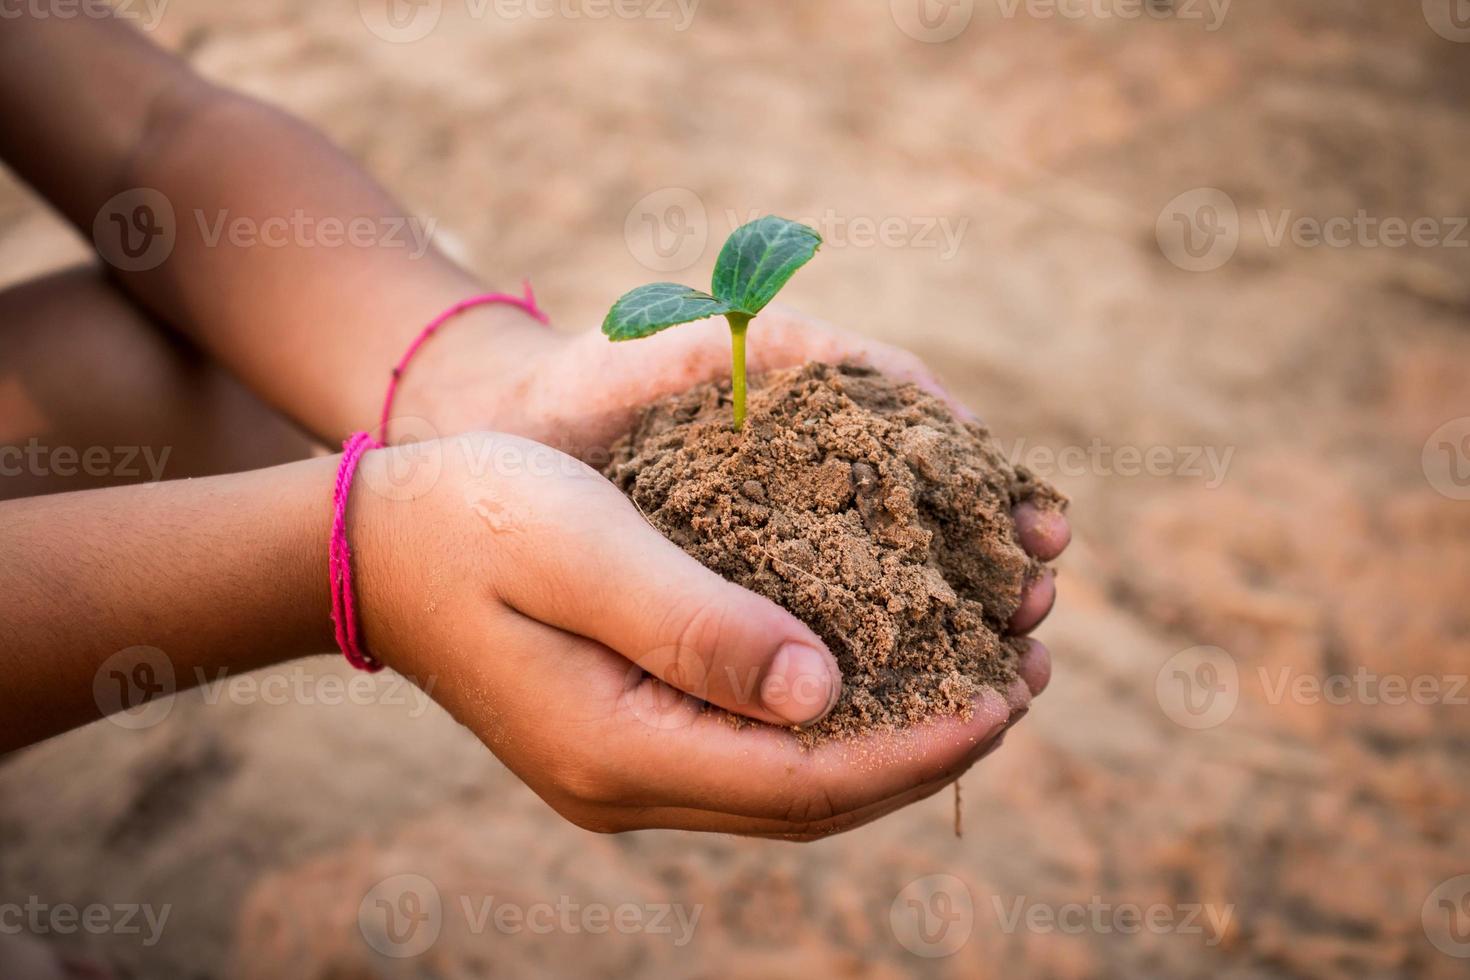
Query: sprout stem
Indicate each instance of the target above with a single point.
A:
(738, 324)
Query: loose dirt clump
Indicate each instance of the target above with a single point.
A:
(867, 509)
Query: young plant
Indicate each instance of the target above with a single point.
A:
(755, 263)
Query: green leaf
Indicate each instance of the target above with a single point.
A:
(649, 309)
(758, 260)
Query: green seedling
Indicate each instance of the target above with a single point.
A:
(755, 263)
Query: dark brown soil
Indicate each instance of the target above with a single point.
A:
(864, 507)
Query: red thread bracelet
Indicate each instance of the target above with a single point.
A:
(339, 555)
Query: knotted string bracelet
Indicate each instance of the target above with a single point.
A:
(339, 557)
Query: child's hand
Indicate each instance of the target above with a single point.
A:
(535, 597)
(580, 392)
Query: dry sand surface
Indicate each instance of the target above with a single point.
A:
(1317, 544)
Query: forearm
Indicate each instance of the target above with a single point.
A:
(75, 95)
(226, 573)
(290, 264)
(312, 320)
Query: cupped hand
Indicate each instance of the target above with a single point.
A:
(580, 392)
(579, 644)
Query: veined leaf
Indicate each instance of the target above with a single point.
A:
(649, 309)
(758, 260)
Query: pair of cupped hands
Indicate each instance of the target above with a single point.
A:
(502, 572)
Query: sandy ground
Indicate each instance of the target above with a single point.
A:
(1299, 513)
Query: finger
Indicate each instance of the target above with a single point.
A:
(619, 739)
(763, 773)
(683, 818)
(710, 821)
(622, 583)
(1035, 666)
(1036, 602)
(877, 811)
(1045, 534)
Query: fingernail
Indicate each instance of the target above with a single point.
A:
(801, 685)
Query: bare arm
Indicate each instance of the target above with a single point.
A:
(220, 573)
(309, 316)
(561, 682)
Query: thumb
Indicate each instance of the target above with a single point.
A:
(597, 569)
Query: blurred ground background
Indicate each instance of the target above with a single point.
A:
(1064, 151)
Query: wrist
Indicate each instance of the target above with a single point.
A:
(474, 373)
(388, 519)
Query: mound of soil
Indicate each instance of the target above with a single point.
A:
(864, 507)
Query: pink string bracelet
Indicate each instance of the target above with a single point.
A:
(339, 557)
